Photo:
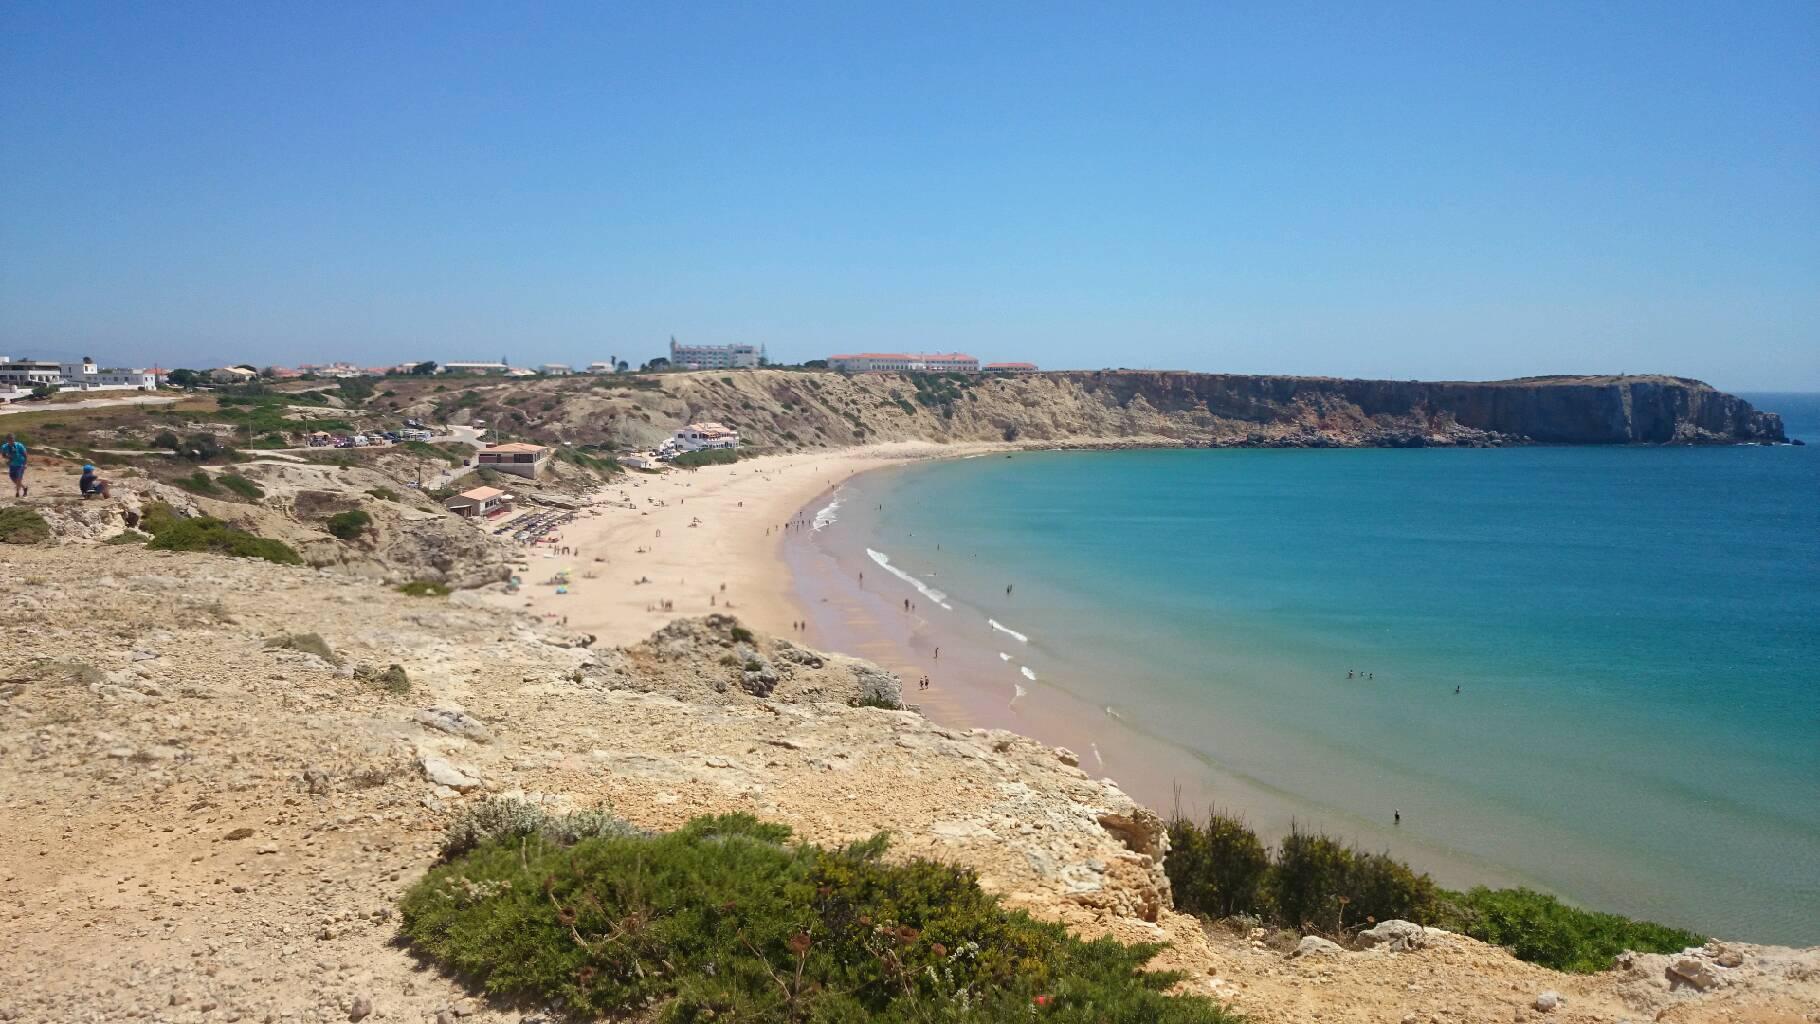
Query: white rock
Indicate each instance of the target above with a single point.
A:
(1693, 971)
(455, 722)
(1398, 935)
(1314, 945)
(443, 773)
(1549, 1001)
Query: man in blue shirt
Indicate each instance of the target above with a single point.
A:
(14, 450)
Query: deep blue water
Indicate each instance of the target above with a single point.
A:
(1635, 633)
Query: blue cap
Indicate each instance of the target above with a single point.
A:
(87, 467)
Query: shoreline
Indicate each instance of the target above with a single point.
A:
(640, 529)
(651, 548)
(975, 685)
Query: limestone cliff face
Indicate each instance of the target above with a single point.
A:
(791, 409)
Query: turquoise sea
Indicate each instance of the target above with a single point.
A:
(1634, 632)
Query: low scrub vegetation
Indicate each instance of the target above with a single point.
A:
(199, 482)
(1538, 927)
(506, 819)
(726, 919)
(1314, 883)
(241, 485)
(23, 526)
(349, 525)
(707, 457)
(171, 532)
(423, 588)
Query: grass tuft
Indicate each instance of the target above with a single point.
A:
(23, 526)
(423, 588)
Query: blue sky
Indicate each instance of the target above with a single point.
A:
(1388, 190)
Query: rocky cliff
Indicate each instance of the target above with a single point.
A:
(795, 409)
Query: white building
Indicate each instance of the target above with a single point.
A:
(698, 436)
(714, 357)
(610, 366)
(905, 362)
(556, 369)
(26, 374)
(461, 367)
(86, 376)
(232, 375)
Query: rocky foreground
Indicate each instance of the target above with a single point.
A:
(217, 776)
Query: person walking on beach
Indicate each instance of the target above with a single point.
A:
(14, 450)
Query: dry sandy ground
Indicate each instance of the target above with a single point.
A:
(195, 827)
(692, 533)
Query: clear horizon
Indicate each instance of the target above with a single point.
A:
(1435, 191)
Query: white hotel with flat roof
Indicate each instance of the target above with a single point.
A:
(715, 357)
(905, 362)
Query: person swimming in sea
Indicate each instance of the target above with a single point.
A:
(1396, 816)
(1456, 691)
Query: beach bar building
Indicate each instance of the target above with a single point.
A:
(519, 458)
(698, 436)
(481, 501)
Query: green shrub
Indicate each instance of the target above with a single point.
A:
(128, 537)
(157, 516)
(349, 525)
(723, 921)
(706, 457)
(23, 526)
(384, 493)
(1218, 869)
(166, 439)
(241, 485)
(423, 588)
(742, 635)
(1537, 927)
(308, 643)
(206, 533)
(199, 482)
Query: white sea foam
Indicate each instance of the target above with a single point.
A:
(1020, 692)
(1002, 656)
(1097, 759)
(1002, 628)
(1113, 714)
(1025, 669)
(828, 515)
(922, 588)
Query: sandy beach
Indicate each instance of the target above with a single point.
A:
(706, 540)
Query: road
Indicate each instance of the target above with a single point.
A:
(86, 403)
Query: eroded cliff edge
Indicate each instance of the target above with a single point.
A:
(793, 409)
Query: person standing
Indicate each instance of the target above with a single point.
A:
(14, 450)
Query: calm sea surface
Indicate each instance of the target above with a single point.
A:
(1634, 632)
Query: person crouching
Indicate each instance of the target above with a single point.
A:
(92, 486)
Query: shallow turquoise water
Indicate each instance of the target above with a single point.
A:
(1635, 633)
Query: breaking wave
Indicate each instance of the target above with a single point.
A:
(1002, 628)
(884, 562)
